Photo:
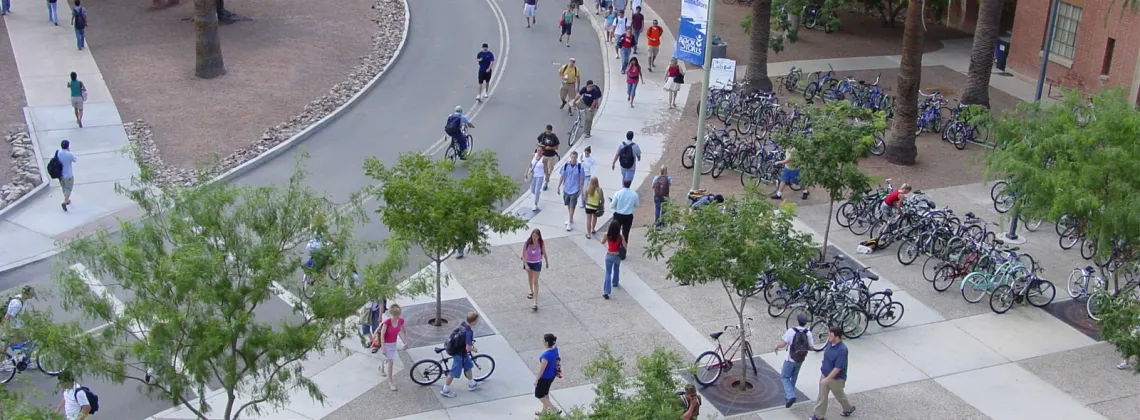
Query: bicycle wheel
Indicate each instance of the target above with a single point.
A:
(1069, 239)
(1088, 248)
(308, 288)
(7, 368)
(930, 267)
(974, 287)
(811, 91)
(908, 252)
(777, 307)
(708, 368)
(1002, 299)
(944, 277)
(862, 223)
(820, 331)
(687, 156)
(793, 312)
(879, 146)
(751, 357)
(856, 323)
(1028, 261)
(573, 134)
(426, 372)
(846, 214)
(484, 367)
(1030, 224)
(1094, 305)
(470, 143)
(48, 363)
(1040, 292)
(1064, 224)
(451, 153)
(882, 234)
(889, 315)
(1077, 284)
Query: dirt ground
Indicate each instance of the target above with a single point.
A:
(292, 53)
(939, 163)
(861, 35)
(12, 101)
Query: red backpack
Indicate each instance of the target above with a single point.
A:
(661, 187)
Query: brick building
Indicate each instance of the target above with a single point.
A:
(1093, 48)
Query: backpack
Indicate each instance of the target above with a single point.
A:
(800, 345)
(92, 399)
(661, 187)
(558, 368)
(457, 341)
(579, 166)
(80, 18)
(626, 157)
(453, 125)
(55, 167)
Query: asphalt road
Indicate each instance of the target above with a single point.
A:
(404, 113)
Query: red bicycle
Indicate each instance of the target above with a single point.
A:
(711, 363)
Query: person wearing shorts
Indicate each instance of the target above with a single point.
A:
(893, 202)
(548, 370)
(78, 96)
(789, 175)
(530, 9)
(653, 42)
(391, 329)
(67, 175)
(569, 77)
(486, 60)
(571, 184)
(533, 254)
(548, 144)
(567, 23)
(461, 363)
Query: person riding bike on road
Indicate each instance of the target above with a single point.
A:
(14, 308)
(454, 127)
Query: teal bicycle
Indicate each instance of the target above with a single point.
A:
(978, 284)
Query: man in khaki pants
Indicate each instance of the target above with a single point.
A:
(569, 75)
(834, 372)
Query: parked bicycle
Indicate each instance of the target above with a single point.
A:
(711, 364)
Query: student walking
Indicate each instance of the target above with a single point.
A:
(486, 61)
(653, 41)
(636, 24)
(674, 78)
(530, 10)
(79, 21)
(533, 254)
(391, 329)
(614, 243)
(566, 24)
(624, 48)
(621, 27)
(549, 367)
(834, 370)
(75, 402)
(5, 7)
(632, 79)
(661, 184)
(625, 202)
(611, 22)
(693, 401)
(594, 207)
(798, 341)
(78, 97)
(569, 75)
(65, 160)
(53, 11)
(461, 344)
(574, 180)
(588, 165)
(548, 143)
(628, 153)
(588, 100)
(536, 173)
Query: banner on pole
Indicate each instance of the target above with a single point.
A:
(692, 34)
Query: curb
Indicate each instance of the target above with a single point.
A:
(44, 181)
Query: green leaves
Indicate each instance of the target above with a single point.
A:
(1120, 325)
(650, 394)
(828, 156)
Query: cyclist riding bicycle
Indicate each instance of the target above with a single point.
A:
(455, 127)
(14, 308)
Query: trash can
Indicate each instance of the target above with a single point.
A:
(717, 47)
(1001, 53)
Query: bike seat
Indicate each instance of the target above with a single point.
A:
(440, 349)
(970, 215)
(1090, 269)
(769, 271)
(872, 277)
(840, 258)
(1014, 249)
(888, 292)
(716, 335)
(999, 242)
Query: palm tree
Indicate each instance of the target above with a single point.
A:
(982, 54)
(760, 34)
(901, 149)
(208, 62)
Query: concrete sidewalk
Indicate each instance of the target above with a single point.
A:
(45, 55)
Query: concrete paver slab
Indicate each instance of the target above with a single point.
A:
(1118, 409)
(508, 294)
(524, 328)
(411, 400)
(1023, 333)
(90, 201)
(916, 400)
(578, 396)
(915, 313)
(84, 141)
(1010, 392)
(52, 90)
(62, 117)
(1089, 374)
(32, 243)
(502, 384)
(516, 408)
(940, 349)
(873, 365)
(341, 383)
(610, 319)
(430, 415)
(102, 167)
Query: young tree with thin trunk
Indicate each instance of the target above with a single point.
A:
(208, 62)
(982, 53)
(425, 205)
(901, 149)
(649, 394)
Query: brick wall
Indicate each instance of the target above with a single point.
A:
(1084, 70)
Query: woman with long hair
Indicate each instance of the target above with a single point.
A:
(533, 254)
(614, 242)
(536, 174)
(594, 206)
(632, 79)
(672, 73)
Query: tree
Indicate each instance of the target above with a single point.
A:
(888, 10)
(759, 28)
(208, 62)
(901, 149)
(425, 205)
(840, 135)
(1120, 326)
(982, 53)
(190, 275)
(733, 247)
(650, 394)
(14, 407)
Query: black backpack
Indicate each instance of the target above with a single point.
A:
(457, 341)
(92, 399)
(626, 157)
(800, 345)
(80, 18)
(55, 167)
(453, 125)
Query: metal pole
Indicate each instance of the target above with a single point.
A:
(698, 157)
(1012, 234)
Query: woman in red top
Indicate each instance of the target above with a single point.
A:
(614, 242)
(672, 85)
(894, 200)
(632, 78)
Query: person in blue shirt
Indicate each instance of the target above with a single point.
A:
(834, 371)
(707, 198)
(486, 60)
(458, 135)
(67, 175)
(548, 369)
(574, 180)
(461, 362)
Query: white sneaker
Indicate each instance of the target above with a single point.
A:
(472, 385)
(617, 56)
(568, 226)
(534, 208)
(1122, 365)
(477, 97)
(486, 95)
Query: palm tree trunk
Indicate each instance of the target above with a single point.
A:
(208, 62)
(759, 34)
(901, 149)
(982, 54)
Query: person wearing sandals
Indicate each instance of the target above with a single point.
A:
(533, 254)
(674, 78)
(594, 206)
(834, 371)
(614, 242)
(548, 369)
(390, 329)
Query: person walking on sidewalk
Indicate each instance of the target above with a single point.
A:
(391, 329)
(53, 12)
(628, 153)
(621, 26)
(5, 7)
(569, 76)
(611, 21)
(632, 79)
(548, 143)
(594, 206)
(625, 47)
(530, 10)
(574, 179)
(536, 173)
(66, 174)
(588, 165)
(460, 345)
(674, 78)
(798, 341)
(661, 184)
(653, 42)
(486, 60)
(566, 24)
(533, 254)
(614, 242)
(78, 96)
(75, 403)
(588, 100)
(548, 369)
(619, 5)
(834, 379)
(789, 175)
(79, 21)
(625, 202)
(636, 24)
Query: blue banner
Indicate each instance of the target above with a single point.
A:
(693, 32)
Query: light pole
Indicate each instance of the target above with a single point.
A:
(698, 157)
(1012, 234)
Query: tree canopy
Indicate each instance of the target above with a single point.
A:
(650, 394)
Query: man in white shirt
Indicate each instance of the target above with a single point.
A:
(75, 405)
(588, 164)
(621, 25)
(791, 369)
(15, 307)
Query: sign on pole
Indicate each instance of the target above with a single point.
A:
(723, 73)
(692, 34)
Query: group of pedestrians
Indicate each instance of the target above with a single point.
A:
(78, 18)
(798, 342)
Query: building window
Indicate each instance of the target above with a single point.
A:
(1065, 36)
(1107, 64)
